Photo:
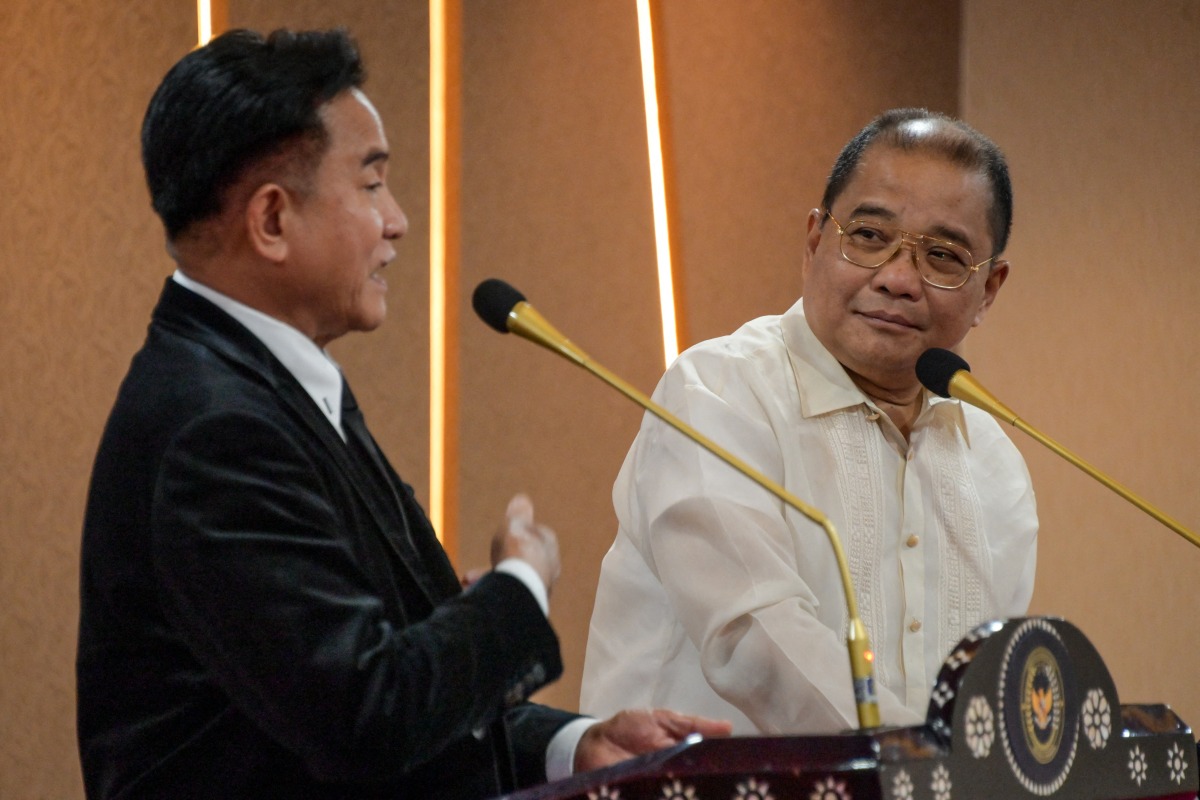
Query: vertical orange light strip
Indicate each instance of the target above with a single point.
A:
(658, 184)
(203, 22)
(437, 263)
(212, 18)
(444, 16)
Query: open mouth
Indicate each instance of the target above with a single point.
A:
(377, 277)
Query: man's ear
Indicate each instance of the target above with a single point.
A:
(995, 279)
(813, 231)
(812, 238)
(265, 219)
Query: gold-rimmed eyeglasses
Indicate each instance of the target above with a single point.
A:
(943, 264)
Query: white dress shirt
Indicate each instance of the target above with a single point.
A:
(715, 599)
(319, 375)
(309, 364)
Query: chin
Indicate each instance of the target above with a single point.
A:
(370, 318)
(371, 324)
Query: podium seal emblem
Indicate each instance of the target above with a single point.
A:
(1037, 701)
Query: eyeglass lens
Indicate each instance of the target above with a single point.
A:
(872, 245)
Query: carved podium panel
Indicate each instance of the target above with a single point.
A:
(1023, 708)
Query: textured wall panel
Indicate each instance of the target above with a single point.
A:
(763, 96)
(80, 267)
(1094, 339)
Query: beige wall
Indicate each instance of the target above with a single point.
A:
(77, 245)
(1094, 338)
(761, 95)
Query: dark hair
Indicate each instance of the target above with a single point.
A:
(948, 137)
(232, 104)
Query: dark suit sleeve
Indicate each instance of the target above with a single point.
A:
(257, 572)
(530, 729)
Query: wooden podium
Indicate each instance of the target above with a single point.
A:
(1023, 708)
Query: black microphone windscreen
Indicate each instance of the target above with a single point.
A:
(492, 301)
(936, 367)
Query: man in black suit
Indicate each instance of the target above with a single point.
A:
(265, 610)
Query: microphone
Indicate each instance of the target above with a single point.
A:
(505, 309)
(946, 374)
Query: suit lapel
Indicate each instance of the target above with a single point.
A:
(192, 315)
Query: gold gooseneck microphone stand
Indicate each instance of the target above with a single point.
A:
(525, 321)
(963, 386)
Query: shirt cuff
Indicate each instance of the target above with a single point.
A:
(560, 755)
(526, 574)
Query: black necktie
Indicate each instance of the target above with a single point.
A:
(414, 535)
(362, 446)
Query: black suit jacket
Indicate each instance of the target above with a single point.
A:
(265, 610)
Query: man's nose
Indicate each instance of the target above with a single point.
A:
(902, 275)
(395, 223)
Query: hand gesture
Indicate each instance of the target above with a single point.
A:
(633, 732)
(522, 538)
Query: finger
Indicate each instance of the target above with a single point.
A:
(520, 510)
(639, 730)
(673, 724)
(712, 727)
(705, 725)
(683, 725)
